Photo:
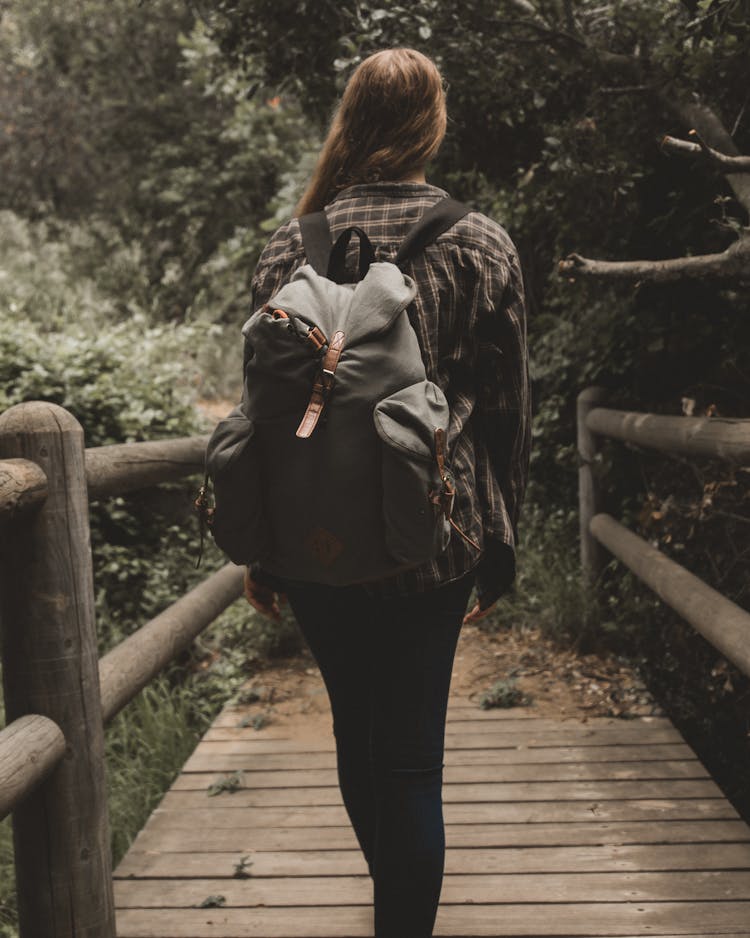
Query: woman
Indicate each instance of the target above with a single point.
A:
(385, 649)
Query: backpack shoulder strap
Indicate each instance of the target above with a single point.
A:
(438, 218)
(316, 240)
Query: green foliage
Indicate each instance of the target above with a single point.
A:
(548, 592)
(229, 783)
(241, 868)
(159, 144)
(504, 693)
(124, 380)
(65, 340)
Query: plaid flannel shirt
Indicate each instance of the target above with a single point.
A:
(470, 320)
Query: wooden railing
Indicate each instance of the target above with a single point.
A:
(58, 694)
(722, 622)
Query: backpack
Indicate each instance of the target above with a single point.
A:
(333, 467)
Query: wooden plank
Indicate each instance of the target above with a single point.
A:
(295, 759)
(279, 740)
(495, 920)
(531, 732)
(458, 889)
(546, 812)
(517, 730)
(204, 760)
(502, 772)
(496, 793)
(338, 862)
(459, 710)
(457, 744)
(337, 834)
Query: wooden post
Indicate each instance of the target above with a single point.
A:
(592, 555)
(50, 667)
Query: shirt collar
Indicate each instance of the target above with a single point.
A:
(390, 190)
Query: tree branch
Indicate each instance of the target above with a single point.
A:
(691, 113)
(728, 164)
(711, 130)
(732, 264)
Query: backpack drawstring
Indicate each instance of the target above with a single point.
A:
(205, 516)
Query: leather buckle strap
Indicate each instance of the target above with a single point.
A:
(324, 382)
(317, 338)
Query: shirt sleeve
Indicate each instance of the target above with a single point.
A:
(275, 265)
(503, 404)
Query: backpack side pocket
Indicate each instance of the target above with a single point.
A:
(416, 530)
(233, 463)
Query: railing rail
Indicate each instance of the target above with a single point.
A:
(23, 484)
(30, 747)
(129, 666)
(58, 694)
(126, 467)
(719, 437)
(722, 622)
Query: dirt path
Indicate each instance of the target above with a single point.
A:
(555, 683)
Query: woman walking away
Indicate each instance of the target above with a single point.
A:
(385, 647)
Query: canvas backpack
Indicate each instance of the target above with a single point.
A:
(333, 468)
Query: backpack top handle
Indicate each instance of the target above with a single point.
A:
(337, 260)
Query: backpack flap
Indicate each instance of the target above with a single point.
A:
(378, 300)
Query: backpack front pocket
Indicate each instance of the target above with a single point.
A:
(233, 464)
(416, 530)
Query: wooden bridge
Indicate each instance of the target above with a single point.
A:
(553, 827)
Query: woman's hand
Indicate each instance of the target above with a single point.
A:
(476, 613)
(264, 599)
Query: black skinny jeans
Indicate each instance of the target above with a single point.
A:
(387, 668)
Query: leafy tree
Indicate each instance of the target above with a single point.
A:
(128, 113)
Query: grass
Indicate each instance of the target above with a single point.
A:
(146, 746)
(548, 592)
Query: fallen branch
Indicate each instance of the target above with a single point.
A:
(722, 161)
(732, 264)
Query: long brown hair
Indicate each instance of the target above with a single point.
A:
(390, 121)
